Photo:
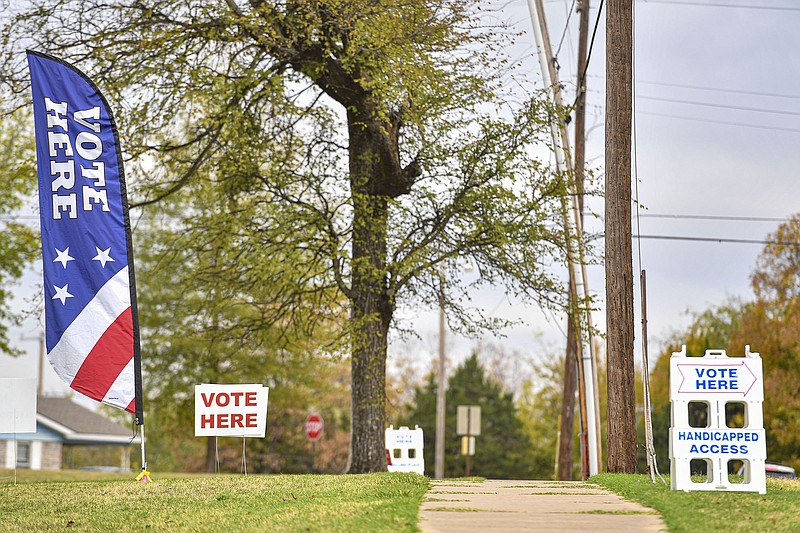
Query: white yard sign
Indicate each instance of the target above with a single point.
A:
(230, 410)
(713, 381)
(17, 405)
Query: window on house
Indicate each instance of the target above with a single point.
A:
(23, 454)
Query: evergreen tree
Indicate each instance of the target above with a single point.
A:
(502, 451)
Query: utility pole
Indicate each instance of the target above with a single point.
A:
(440, 388)
(578, 282)
(564, 462)
(580, 102)
(580, 166)
(618, 248)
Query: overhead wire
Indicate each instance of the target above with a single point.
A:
(721, 106)
(722, 122)
(566, 27)
(714, 104)
(713, 217)
(582, 75)
(716, 239)
(706, 88)
(710, 4)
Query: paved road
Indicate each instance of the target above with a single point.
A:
(531, 506)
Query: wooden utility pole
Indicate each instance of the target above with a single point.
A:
(564, 463)
(441, 385)
(580, 102)
(578, 314)
(618, 249)
(569, 386)
(580, 166)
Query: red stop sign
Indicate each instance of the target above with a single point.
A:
(314, 427)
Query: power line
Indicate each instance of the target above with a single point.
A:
(720, 106)
(712, 121)
(566, 27)
(723, 122)
(709, 4)
(715, 239)
(715, 89)
(582, 78)
(714, 217)
(19, 217)
(713, 104)
(723, 106)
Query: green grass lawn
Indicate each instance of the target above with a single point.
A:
(777, 510)
(114, 502)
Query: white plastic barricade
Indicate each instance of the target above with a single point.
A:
(404, 450)
(719, 386)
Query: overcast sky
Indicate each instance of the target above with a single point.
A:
(717, 134)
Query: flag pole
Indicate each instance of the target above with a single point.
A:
(92, 340)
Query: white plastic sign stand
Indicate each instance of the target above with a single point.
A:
(717, 380)
(404, 449)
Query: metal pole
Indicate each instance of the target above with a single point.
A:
(40, 387)
(573, 226)
(648, 429)
(144, 458)
(469, 439)
(652, 464)
(442, 383)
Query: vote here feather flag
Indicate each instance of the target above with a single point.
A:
(91, 322)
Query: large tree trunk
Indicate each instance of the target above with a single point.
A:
(375, 177)
(371, 314)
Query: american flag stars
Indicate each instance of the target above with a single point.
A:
(102, 256)
(62, 293)
(63, 257)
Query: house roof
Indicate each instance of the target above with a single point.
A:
(79, 425)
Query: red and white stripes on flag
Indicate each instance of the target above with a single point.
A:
(95, 353)
(91, 317)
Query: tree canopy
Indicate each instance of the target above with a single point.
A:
(359, 145)
(19, 242)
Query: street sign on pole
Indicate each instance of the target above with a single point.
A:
(467, 445)
(314, 427)
(468, 424)
(468, 420)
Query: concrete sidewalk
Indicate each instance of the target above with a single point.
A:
(531, 506)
